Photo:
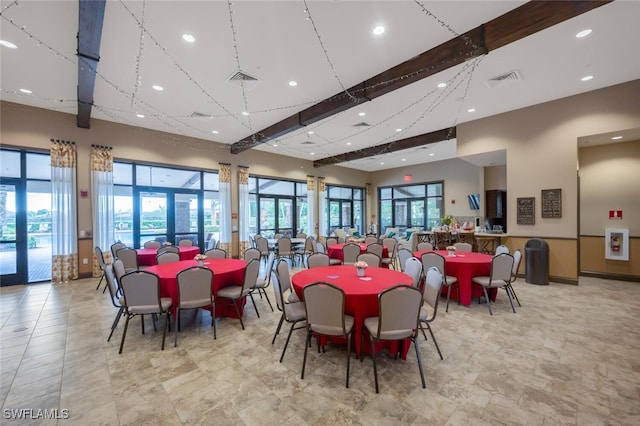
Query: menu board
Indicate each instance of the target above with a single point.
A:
(526, 211)
(551, 203)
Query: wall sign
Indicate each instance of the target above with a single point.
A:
(551, 203)
(526, 208)
(615, 214)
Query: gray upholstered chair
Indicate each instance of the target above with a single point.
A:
(185, 242)
(463, 247)
(403, 255)
(251, 253)
(263, 245)
(372, 259)
(431, 295)
(391, 244)
(376, 249)
(332, 241)
(434, 259)
(350, 253)
(413, 268)
(324, 307)
(167, 257)
(501, 270)
(398, 314)
(97, 252)
(115, 247)
(285, 251)
(517, 257)
(165, 249)
(194, 291)
(317, 260)
(264, 279)
(152, 244)
(424, 246)
(129, 258)
(116, 299)
(502, 249)
(292, 312)
(234, 293)
(371, 240)
(216, 253)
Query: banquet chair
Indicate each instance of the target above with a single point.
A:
(283, 246)
(501, 269)
(398, 314)
(251, 254)
(320, 248)
(391, 244)
(234, 293)
(431, 295)
(331, 241)
(212, 243)
(317, 260)
(324, 308)
(376, 249)
(170, 249)
(141, 291)
(216, 253)
(301, 235)
(308, 249)
(463, 247)
(119, 271)
(152, 244)
(167, 257)
(115, 247)
(264, 280)
(116, 300)
(403, 255)
(424, 247)
(195, 290)
(372, 259)
(350, 253)
(263, 245)
(502, 249)
(282, 271)
(441, 239)
(517, 257)
(371, 240)
(129, 258)
(292, 312)
(434, 259)
(413, 268)
(185, 242)
(97, 252)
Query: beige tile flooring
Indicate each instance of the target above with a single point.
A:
(571, 355)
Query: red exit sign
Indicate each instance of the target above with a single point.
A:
(615, 214)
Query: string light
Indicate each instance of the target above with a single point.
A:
(445, 25)
(138, 79)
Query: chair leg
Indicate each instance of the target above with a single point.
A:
(213, 320)
(435, 342)
(375, 366)
(348, 357)
(415, 344)
(164, 328)
(449, 296)
(266, 297)
(510, 300)
(422, 329)
(100, 282)
(278, 329)
(254, 305)
(235, 305)
(142, 323)
(306, 348)
(124, 333)
(486, 296)
(287, 342)
(115, 322)
(513, 293)
(175, 329)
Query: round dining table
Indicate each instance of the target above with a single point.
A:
(361, 296)
(226, 272)
(147, 256)
(335, 251)
(464, 266)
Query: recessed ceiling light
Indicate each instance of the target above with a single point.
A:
(615, 138)
(431, 155)
(293, 83)
(442, 85)
(382, 163)
(312, 153)
(583, 33)
(471, 110)
(215, 132)
(398, 130)
(310, 132)
(27, 91)
(362, 114)
(348, 143)
(404, 159)
(8, 44)
(275, 145)
(245, 113)
(378, 30)
(587, 78)
(140, 115)
(158, 88)
(188, 37)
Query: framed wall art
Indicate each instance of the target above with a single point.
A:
(526, 208)
(551, 203)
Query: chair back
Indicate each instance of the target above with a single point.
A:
(432, 259)
(517, 257)
(152, 244)
(170, 249)
(141, 290)
(398, 312)
(118, 269)
(332, 241)
(263, 245)
(441, 239)
(216, 253)
(320, 247)
(269, 269)
(112, 284)
(97, 251)
(185, 242)
(309, 244)
(432, 286)
(502, 249)
(301, 235)
(413, 268)
(372, 259)
(324, 304)
(251, 272)
(501, 267)
(463, 247)
(195, 287)
(390, 244)
(212, 243)
(115, 247)
(424, 247)
(284, 246)
(340, 233)
(129, 258)
(281, 282)
(350, 253)
(371, 240)
(317, 260)
(403, 255)
(376, 249)
(251, 254)
(167, 257)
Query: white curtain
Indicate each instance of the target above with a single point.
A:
(102, 203)
(311, 205)
(225, 207)
(244, 212)
(63, 211)
(322, 210)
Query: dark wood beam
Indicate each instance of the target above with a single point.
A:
(91, 18)
(386, 148)
(514, 25)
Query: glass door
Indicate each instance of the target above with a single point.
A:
(12, 232)
(185, 209)
(153, 217)
(285, 217)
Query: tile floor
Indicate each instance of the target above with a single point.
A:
(571, 355)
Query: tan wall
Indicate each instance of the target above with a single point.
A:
(592, 258)
(495, 177)
(563, 257)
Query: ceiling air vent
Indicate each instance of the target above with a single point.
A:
(362, 124)
(500, 79)
(197, 114)
(307, 143)
(243, 79)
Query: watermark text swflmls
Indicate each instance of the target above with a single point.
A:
(35, 414)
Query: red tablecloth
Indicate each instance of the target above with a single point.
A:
(361, 296)
(464, 266)
(226, 272)
(335, 251)
(147, 256)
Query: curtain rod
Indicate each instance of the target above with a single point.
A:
(62, 141)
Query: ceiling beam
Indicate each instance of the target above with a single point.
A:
(521, 22)
(91, 18)
(386, 148)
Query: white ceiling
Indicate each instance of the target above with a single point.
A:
(275, 41)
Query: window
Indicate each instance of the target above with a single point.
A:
(277, 207)
(345, 209)
(411, 206)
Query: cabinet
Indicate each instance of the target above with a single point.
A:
(495, 203)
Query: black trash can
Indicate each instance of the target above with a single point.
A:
(536, 253)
